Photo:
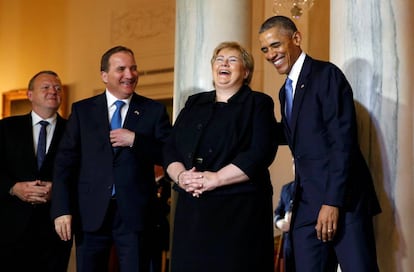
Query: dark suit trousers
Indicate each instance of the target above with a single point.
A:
(353, 247)
(39, 248)
(93, 248)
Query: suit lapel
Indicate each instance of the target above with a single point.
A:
(26, 140)
(135, 112)
(300, 90)
(27, 129)
(100, 112)
(100, 121)
(56, 136)
(60, 125)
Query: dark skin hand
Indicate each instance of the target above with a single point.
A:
(327, 223)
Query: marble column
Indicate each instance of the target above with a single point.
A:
(200, 26)
(371, 40)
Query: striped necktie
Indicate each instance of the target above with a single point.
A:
(289, 99)
(41, 144)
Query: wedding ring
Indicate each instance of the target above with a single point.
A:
(329, 230)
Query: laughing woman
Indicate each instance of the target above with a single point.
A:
(218, 154)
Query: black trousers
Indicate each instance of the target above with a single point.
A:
(38, 248)
(93, 248)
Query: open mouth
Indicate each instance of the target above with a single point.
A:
(278, 61)
(128, 83)
(224, 72)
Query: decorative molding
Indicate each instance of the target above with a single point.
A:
(140, 22)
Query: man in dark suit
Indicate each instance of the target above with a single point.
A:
(335, 198)
(28, 241)
(104, 178)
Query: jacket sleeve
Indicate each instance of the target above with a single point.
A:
(338, 113)
(264, 143)
(66, 168)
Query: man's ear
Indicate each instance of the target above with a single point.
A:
(297, 38)
(104, 76)
(29, 94)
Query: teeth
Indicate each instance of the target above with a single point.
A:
(278, 62)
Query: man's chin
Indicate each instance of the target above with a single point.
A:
(281, 70)
(128, 90)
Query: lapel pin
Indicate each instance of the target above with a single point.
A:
(302, 86)
(136, 112)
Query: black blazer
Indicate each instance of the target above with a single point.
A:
(251, 141)
(86, 165)
(18, 163)
(322, 136)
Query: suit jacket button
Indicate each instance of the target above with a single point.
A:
(199, 160)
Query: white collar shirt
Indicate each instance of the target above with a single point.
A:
(50, 129)
(111, 106)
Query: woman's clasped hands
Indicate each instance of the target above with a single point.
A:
(196, 182)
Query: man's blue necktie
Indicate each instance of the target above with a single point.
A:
(116, 122)
(289, 98)
(41, 144)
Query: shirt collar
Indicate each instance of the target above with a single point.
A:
(297, 67)
(36, 119)
(110, 98)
